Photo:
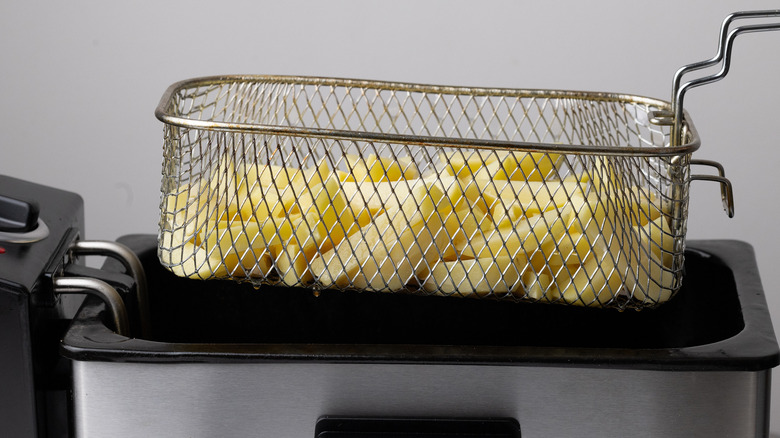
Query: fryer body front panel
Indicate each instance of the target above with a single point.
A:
(131, 399)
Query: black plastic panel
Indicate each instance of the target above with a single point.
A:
(344, 427)
(33, 376)
(719, 320)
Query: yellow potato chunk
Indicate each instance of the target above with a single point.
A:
(189, 260)
(383, 255)
(596, 281)
(469, 164)
(519, 240)
(656, 237)
(651, 281)
(500, 165)
(292, 264)
(378, 169)
(539, 286)
(526, 166)
(326, 216)
(475, 277)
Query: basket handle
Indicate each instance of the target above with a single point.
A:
(726, 191)
(674, 117)
(723, 55)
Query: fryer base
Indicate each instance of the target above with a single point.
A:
(272, 362)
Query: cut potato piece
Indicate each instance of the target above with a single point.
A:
(500, 165)
(326, 216)
(184, 215)
(540, 286)
(242, 244)
(519, 240)
(193, 261)
(462, 226)
(532, 197)
(569, 249)
(656, 237)
(384, 255)
(475, 277)
(527, 166)
(238, 236)
(468, 164)
(379, 169)
(392, 196)
(644, 207)
(598, 279)
(292, 265)
(651, 281)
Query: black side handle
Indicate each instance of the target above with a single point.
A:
(17, 215)
(345, 427)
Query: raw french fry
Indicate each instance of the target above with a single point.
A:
(379, 169)
(568, 249)
(540, 286)
(187, 259)
(462, 226)
(475, 277)
(650, 280)
(656, 237)
(382, 256)
(530, 197)
(518, 240)
(500, 165)
(644, 207)
(469, 164)
(326, 216)
(526, 166)
(594, 282)
(292, 264)
(392, 251)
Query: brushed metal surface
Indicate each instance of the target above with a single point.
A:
(285, 399)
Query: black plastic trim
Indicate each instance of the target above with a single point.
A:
(390, 427)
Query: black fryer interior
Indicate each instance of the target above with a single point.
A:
(706, 310)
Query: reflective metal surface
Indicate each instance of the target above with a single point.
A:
(100, 289)
(286, 399)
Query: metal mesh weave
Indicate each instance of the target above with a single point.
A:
(550, 196)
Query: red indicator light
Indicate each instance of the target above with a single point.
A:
(2, 250)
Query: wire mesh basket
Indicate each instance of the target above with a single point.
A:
(565, 197)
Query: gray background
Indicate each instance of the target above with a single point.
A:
(80, 81)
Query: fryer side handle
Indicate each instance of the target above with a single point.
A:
(131, 263)
(101, 289)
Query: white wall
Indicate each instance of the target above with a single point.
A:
(79, 81)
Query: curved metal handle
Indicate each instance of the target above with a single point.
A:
(131, 263)
(723, 55)
(101, 289)
(726, 191)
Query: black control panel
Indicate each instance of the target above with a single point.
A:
(33, 399)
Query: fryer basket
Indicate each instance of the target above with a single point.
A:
(556, 196)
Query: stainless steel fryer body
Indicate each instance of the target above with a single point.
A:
(285, 399)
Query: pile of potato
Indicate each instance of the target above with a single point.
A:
(485, 223)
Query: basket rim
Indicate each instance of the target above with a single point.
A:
(164, 114)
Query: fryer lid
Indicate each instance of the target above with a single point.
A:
(719, 321)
